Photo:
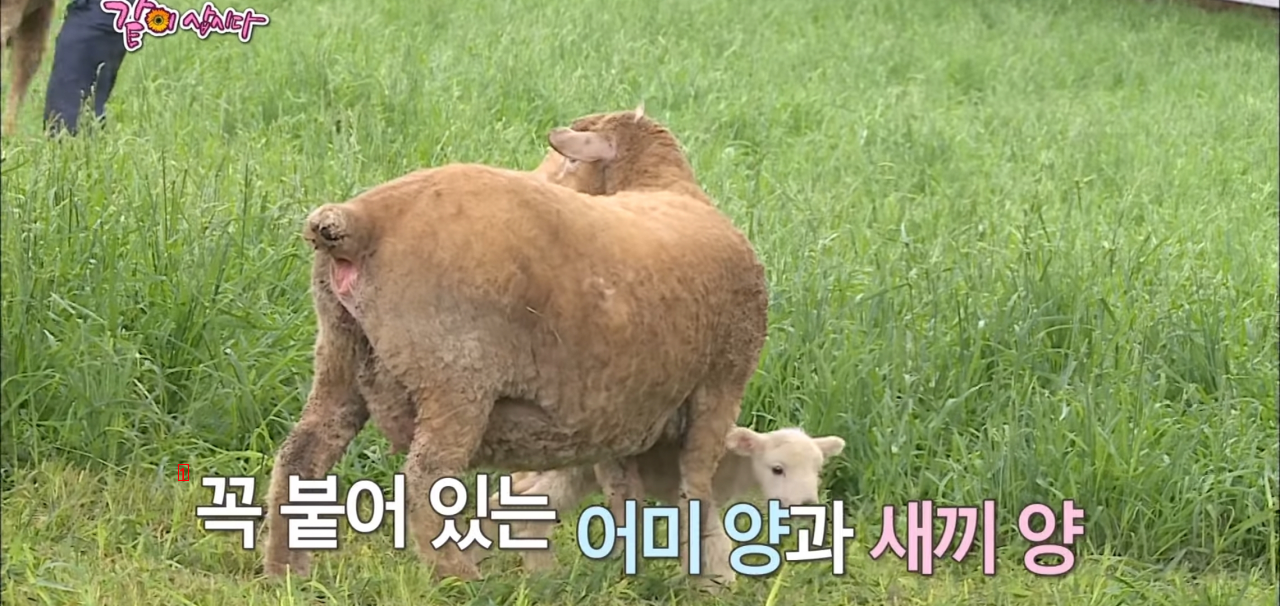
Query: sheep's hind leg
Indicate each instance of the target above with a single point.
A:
(450, 426)
(333, 415)
(713, 411)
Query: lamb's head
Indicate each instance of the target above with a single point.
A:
(787, 463)
(603, 154)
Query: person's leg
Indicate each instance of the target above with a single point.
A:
(86, 57)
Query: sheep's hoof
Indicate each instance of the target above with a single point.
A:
(280, 570)
(712, 583)
(461, 570)
(540, 560)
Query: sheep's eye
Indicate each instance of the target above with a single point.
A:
(777, 470)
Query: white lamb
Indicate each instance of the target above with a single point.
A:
(785, 464)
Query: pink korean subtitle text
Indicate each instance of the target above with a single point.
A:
(921, 550)
(1072, 527)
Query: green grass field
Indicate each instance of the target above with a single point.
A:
(1023, 251)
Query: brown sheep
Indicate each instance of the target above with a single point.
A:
(619, 477)
(485, 317)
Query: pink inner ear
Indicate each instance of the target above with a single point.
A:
(344, 276)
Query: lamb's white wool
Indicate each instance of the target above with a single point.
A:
(786, 465)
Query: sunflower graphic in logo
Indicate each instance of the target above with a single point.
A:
(159, 20)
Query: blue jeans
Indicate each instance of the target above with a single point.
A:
(86, 57)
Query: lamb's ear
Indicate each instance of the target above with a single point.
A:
(829, 445)
(581, 146)
(743, 441)
(639, 112)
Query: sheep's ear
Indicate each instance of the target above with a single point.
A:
(743, 441)
(829, 445)
(581, 146)
(639, 111)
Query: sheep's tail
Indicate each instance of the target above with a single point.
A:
(339, 230)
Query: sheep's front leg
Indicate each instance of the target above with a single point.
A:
(333, 415)
(621, 482)
(712, 413)
(450, 426)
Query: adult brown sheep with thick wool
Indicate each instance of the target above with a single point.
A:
(492, 318)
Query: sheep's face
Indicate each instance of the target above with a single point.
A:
(787, 463)
(585, 177)
(603, 153)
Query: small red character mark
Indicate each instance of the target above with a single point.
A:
(184, 472)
